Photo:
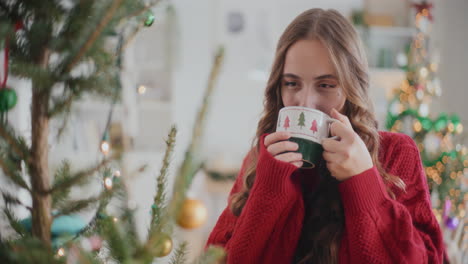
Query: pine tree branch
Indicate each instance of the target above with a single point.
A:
(63, 105)
(160, 197)
(180, 253)
(69, 207)
(14, 223)
(141, 11)
(190, 165)
(79, 177)
(213, 254)
(14, 176)
(20, 149)
(10, 199)
(100, 27)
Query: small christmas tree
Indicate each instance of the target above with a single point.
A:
(286, 123)
(314, 126)
(301, 122)
(63, 48)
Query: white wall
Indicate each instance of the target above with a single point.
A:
(451, 33)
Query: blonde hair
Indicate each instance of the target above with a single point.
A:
(347, 55)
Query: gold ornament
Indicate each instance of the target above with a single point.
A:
(193, 214)
(163, 246)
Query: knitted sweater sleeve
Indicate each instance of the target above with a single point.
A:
(379, 229)
(269, 226)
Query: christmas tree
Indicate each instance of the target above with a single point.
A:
(314, 126)
(63, 48)
(286, 123)
(301, 122)
(438, 138)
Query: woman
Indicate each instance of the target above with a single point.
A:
(368, 202)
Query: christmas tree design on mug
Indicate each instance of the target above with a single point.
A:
(308, 138)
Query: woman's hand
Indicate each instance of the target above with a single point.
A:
(348, 156)
(276, 143)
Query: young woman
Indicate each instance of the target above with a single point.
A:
(368, 202)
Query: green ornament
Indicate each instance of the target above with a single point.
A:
(426, 123)
(8, 99)
(455, 119)
(441, 122)
(149, 19)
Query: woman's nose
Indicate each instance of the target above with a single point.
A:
(307, 98)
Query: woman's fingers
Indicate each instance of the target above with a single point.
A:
(290, 157)
(282, 146)
(275, 137)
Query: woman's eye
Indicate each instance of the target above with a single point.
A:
(324, 85)
(290, 84)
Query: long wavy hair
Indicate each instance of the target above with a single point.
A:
(320, 240)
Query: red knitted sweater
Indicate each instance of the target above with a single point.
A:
(378, 229)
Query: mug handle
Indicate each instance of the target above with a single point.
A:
(329, 121)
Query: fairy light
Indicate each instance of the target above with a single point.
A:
(141, 89)
(459, 128)
(115, 219)
(108, 183)
(417, 126)
(105, 147)
(451, 127)
(423, 72)
(445, 160)
(117, 173)
(61, 252)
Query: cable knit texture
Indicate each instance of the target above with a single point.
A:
(378, 229)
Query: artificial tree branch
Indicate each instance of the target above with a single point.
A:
(92, 38)
(78, 177)
(15, 178)
(21, 151)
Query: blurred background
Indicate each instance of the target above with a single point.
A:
(166, 70)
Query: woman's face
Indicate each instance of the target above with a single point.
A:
(309, 78)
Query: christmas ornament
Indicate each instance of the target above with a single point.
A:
(424, 111)
(193, 214)
(441, 122)
(163, 246)
(149, 19)
(452, 223)
(92, 243)
(8, 99)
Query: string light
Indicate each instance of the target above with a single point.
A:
(105, 147)
(451, 127)
(141, 89)
(108, 183)
(61, 252)
(117, 173)
(417, 126)
(423, 72)
(115, 219)
(459, 128)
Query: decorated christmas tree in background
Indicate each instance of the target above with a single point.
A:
(65, 49)
(438, 137)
